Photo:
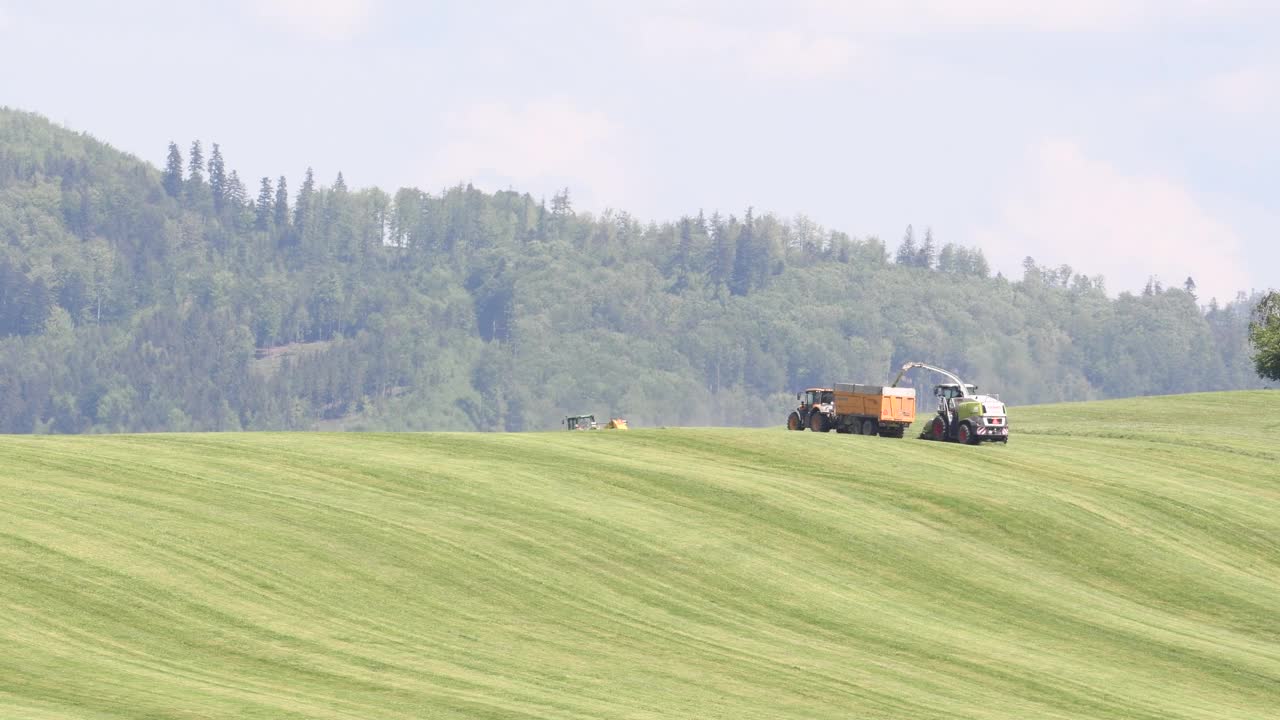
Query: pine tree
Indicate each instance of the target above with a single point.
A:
(951, 259)
(720, 261)
(173, 171)
(978, 264)
(195, 166)
(235, 195)
(281, 205)
(560, 204)
(340, 185)
(740, 279)
(302, 207)
(262, 218)
(907, 251)
(1190, 287)
(217, 178)
(925, 256)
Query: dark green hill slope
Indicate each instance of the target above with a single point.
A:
(136, 299)
(1111, 562)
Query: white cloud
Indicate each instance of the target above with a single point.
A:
(1077, 210)
(327, 18)
(539, 147)
(1053, 15)
(786, 53)
(1244, 91)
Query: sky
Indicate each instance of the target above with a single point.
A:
(1125, 138)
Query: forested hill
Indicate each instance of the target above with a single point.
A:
(188, 298)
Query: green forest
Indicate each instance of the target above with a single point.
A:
(135, 298)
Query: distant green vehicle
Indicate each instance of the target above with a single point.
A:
(963, 415)
(580, 422)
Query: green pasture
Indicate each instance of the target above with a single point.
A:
(1116, 560)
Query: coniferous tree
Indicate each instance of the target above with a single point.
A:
(952, 259)
(907, 251)
(978, 266)
(217, 178)
(561, 205)
(195, 166)
(751, 258)
(302, 206)
(281, 205)
(925, 256)
(264, 206)
(172, 178)
(721, 258)
(235, 196)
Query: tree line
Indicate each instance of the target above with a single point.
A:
(135, 299)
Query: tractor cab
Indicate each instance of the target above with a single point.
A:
(580, 422)
(815, 405)
(816, 396)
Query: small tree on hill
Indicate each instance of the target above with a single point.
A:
(1264, 335)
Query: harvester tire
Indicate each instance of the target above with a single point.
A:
(937, 429)
(818, 422)
(964, 434)
(793, 422)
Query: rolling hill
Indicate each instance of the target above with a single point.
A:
(1118, 559)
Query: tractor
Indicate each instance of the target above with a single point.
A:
(963, 416)
(816, 409)
(588, 422)
(580, 422)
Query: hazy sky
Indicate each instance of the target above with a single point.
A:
(1123, 137)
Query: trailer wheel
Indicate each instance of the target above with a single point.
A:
(868, 427)
(818, 422)
(793, 422)
(964, 434)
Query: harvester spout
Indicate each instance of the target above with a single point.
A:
(940, 371)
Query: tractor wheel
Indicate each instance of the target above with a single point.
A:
(964, 434)
(793, 422)
(818, 422)
(868, 427)
(938, 430)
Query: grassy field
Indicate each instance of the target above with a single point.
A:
(1115, 560)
